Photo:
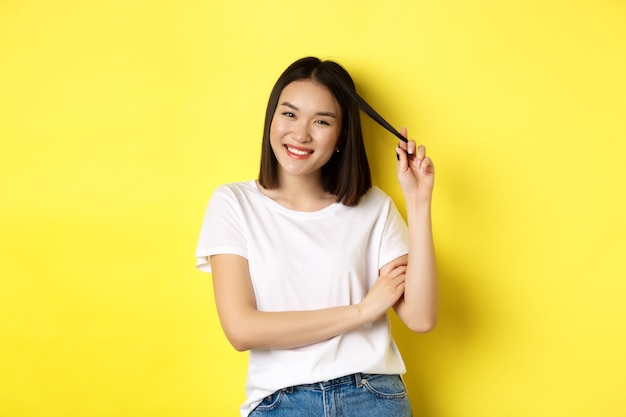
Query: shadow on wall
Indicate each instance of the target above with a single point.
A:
(465, 225)
(426, 354)
(431, 357)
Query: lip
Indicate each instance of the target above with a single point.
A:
(300, 153)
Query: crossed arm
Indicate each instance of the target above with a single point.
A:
(247, 328)
(408, 283)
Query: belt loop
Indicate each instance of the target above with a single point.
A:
(358, 377)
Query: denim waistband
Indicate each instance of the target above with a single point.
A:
(357, 379)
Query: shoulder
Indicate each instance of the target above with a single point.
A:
(374, 197)
(235, 188)
(232, 197)
(235, 191)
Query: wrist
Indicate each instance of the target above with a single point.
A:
(418, 203)
(418, 195)
(363, 314)
(418, 211)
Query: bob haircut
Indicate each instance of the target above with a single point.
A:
(347, 173)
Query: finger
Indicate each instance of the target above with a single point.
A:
(427, 165)
(385, 270)
(392, 272)
(395, 274)
(419, 157)
(394, 282)
(421, 152)
(409, 145)
(400, 281)
(403, 144)
(399, 270)
(403, 162)
(401, 260)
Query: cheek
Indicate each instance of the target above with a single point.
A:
(276, 133)
(332, 139)
(277, 127)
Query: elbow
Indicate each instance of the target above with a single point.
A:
(422, 326)
(239, 346)
(239, 340)
(243, 332)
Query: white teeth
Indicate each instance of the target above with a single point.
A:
(297, 151)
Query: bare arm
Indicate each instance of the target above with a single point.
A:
(247, 328)
(418, 308)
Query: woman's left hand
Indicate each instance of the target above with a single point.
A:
(416, 171)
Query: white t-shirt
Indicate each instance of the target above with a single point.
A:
(306, 261)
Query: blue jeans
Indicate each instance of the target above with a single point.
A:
(357, 395)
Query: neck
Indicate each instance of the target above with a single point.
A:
(300, 193)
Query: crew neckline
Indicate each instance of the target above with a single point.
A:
(332, 207)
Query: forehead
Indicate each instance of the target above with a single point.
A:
(309, 94)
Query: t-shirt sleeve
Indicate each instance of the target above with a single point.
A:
(395, 239)
(222, 229)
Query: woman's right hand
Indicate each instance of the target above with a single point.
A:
(386, 291)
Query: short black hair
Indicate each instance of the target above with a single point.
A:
(347, 173)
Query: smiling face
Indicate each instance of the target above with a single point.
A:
(305, 129)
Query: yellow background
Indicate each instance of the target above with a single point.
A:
(119, 118)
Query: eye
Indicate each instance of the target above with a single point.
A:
(288, 114)
(322, 122)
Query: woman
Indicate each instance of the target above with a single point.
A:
(307, 260)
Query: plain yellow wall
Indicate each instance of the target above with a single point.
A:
(118, 119)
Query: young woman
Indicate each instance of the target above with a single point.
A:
(308, 259)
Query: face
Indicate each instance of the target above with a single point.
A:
(305, 129)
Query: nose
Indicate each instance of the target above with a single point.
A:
(301, 133)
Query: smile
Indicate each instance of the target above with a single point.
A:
(298, 151)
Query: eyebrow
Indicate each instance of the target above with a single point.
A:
(319, 113)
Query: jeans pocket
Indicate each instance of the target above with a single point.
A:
(390, 387)
(270, 402)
